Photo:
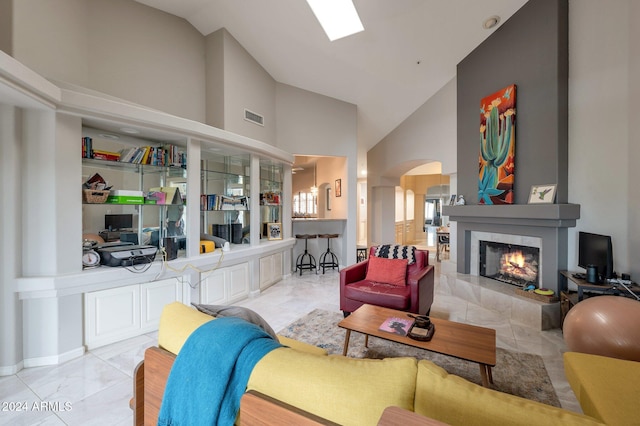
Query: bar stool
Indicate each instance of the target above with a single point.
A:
(333, 259)
(305, 260)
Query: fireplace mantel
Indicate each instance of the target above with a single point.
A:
(545, 215)
(549, 222)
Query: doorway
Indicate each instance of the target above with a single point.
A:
(432, 212)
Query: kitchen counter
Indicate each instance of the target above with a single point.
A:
(317, 246)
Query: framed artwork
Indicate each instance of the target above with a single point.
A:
(452, 200)
(497, 147)
(328, 198)
(542, 194)
(274, 231)
(338, 187)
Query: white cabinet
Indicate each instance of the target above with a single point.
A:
(225, 285)
(270, 270)
(123, 312)
(153, 297)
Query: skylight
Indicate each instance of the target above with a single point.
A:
(338, 18)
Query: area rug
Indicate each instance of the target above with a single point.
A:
(515, 373)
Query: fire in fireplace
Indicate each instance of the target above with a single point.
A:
(509, 263)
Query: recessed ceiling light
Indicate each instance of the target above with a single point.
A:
(109, 136)
(339, 18)
(491, 22)
(129, 130)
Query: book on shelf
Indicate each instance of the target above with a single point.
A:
(105, 155)
(168, 155)
(224, 202)
(396, 325)
(87, 147)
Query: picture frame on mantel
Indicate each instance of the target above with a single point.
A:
(543, 194)
(338, 187)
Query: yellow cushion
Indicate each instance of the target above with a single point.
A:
(344, 390)
(301, 346)
(454, 400)
(607, 388)
(178, 321)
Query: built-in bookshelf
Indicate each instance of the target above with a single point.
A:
(225, 197)
(136, 172)
(271, 187)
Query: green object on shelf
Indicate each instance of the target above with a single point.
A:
(125, 199)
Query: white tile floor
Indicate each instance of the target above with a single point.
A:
(95, 389)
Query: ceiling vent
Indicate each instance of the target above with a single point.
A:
(253, 117)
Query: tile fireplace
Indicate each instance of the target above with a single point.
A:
(543, 227)
(509, 263)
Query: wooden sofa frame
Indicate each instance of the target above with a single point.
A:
(150, 378)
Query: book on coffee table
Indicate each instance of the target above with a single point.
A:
(395, 325)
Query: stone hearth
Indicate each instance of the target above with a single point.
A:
(502, 298)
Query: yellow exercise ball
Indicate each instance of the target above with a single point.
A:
(604, 325)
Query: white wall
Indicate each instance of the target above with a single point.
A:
(634, 140)
(118, 47)
(247, 85)
(601, 157)
(312, 124)
(52, 38)
(429, 134)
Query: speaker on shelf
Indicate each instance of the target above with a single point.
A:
(592, 274)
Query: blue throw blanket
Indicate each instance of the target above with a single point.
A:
(210, 374)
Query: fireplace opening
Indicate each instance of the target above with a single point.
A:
(509, 263)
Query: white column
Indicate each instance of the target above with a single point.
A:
(10, 243)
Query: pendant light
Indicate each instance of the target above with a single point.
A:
(314, 188)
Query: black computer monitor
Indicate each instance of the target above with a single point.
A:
(114, 222)
(597, 250)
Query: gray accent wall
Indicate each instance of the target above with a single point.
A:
(531, 50)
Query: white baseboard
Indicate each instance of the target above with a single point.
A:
(10, 370)
(54, 359)
(254, 293)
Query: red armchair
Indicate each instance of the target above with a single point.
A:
(415, 297)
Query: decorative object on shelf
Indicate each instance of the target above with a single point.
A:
(95, 190)
(90, 258)
(274, 231)
(542, 194)
(338, 187)
(94, 196)
(497, 147)
(172, 196)
(270, 198)
(461, 201)
(452, 200)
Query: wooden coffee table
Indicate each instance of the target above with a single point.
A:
(464, 341)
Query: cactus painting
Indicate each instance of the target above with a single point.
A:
(497, 147)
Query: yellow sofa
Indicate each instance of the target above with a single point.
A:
(356, 391)
(608, 389)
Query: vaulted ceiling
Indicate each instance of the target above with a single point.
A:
(407, 52)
